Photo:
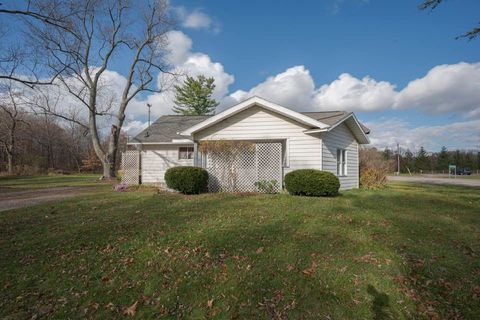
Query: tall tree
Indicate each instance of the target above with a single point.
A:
(443, 159)
(78, 40)
(422, 161)
(194, 96)
(432, 4)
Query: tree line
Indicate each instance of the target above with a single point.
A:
(423, 161)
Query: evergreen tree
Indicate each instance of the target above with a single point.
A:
(194, 96)
(422, 161)
(443, 159)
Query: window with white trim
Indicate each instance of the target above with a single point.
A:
(185, 153)
(341, 162)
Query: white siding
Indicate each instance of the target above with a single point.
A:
(156, 159)
(256, 123)
(341, 138)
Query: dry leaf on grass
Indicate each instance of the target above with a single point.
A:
(210, 303)
(130, 311)
(259, 250)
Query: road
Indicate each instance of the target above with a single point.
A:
(436, 180)
(19, 199)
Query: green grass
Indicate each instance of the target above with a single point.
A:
(408, 251)
(17, 183)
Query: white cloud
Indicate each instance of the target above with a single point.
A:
(184, 61)
(292, 88)
(195, 19)
(350, 93)
(445, 88)
(386, 133)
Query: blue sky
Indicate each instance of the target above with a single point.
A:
(312, 43)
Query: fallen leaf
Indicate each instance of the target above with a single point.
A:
(310, 270)
(130, 311)
(210, 303)
(259, 250)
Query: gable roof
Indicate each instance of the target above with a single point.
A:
(169, 128)
(333, 117)
(255, 101)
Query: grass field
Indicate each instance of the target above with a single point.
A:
(408, 251)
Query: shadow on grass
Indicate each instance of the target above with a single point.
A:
(380, 304)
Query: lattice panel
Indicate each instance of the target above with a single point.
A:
(237, 169)
(131, 167)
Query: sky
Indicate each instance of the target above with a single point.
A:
(400, 69)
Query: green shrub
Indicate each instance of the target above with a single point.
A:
(311, 182)
(188, 180)
(267, 186)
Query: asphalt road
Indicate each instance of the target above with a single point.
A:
(435, 180)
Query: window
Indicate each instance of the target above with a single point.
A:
(341, 162)
(185, 153)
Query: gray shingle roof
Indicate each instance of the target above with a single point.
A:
(165, 128)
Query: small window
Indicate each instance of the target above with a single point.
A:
(341, 162)
(185, 153)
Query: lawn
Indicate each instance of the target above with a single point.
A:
(408, 251)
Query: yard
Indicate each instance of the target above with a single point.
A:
(409, 251)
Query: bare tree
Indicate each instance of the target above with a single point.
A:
(79, 40)
(11, 117)
(432, 4)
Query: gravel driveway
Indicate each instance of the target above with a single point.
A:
(19, 199)
(434, 180)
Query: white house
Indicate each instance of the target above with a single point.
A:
(280, 140)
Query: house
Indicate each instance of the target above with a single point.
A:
(272, 140)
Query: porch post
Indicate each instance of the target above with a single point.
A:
(196, 159)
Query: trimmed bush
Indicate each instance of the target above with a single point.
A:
(311, 182)
(188, 180)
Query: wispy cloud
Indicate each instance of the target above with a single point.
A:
(196, 19)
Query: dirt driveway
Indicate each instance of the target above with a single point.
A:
(25, 198)
(437, 180)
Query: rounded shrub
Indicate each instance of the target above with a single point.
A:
(188, 180)
(311, 182)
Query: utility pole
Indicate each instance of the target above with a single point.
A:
(147, 134)
(149, 106)
(398, 158)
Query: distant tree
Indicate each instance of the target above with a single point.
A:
(432, 4)
(12, 119)
(193, 97)
(458, 158)
(387, 154)
(422, 160)
(408, 161)
(443, 159)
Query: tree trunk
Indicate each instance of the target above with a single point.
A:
(9, 163)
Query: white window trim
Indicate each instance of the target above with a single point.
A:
(342, 162)
(188, 153)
